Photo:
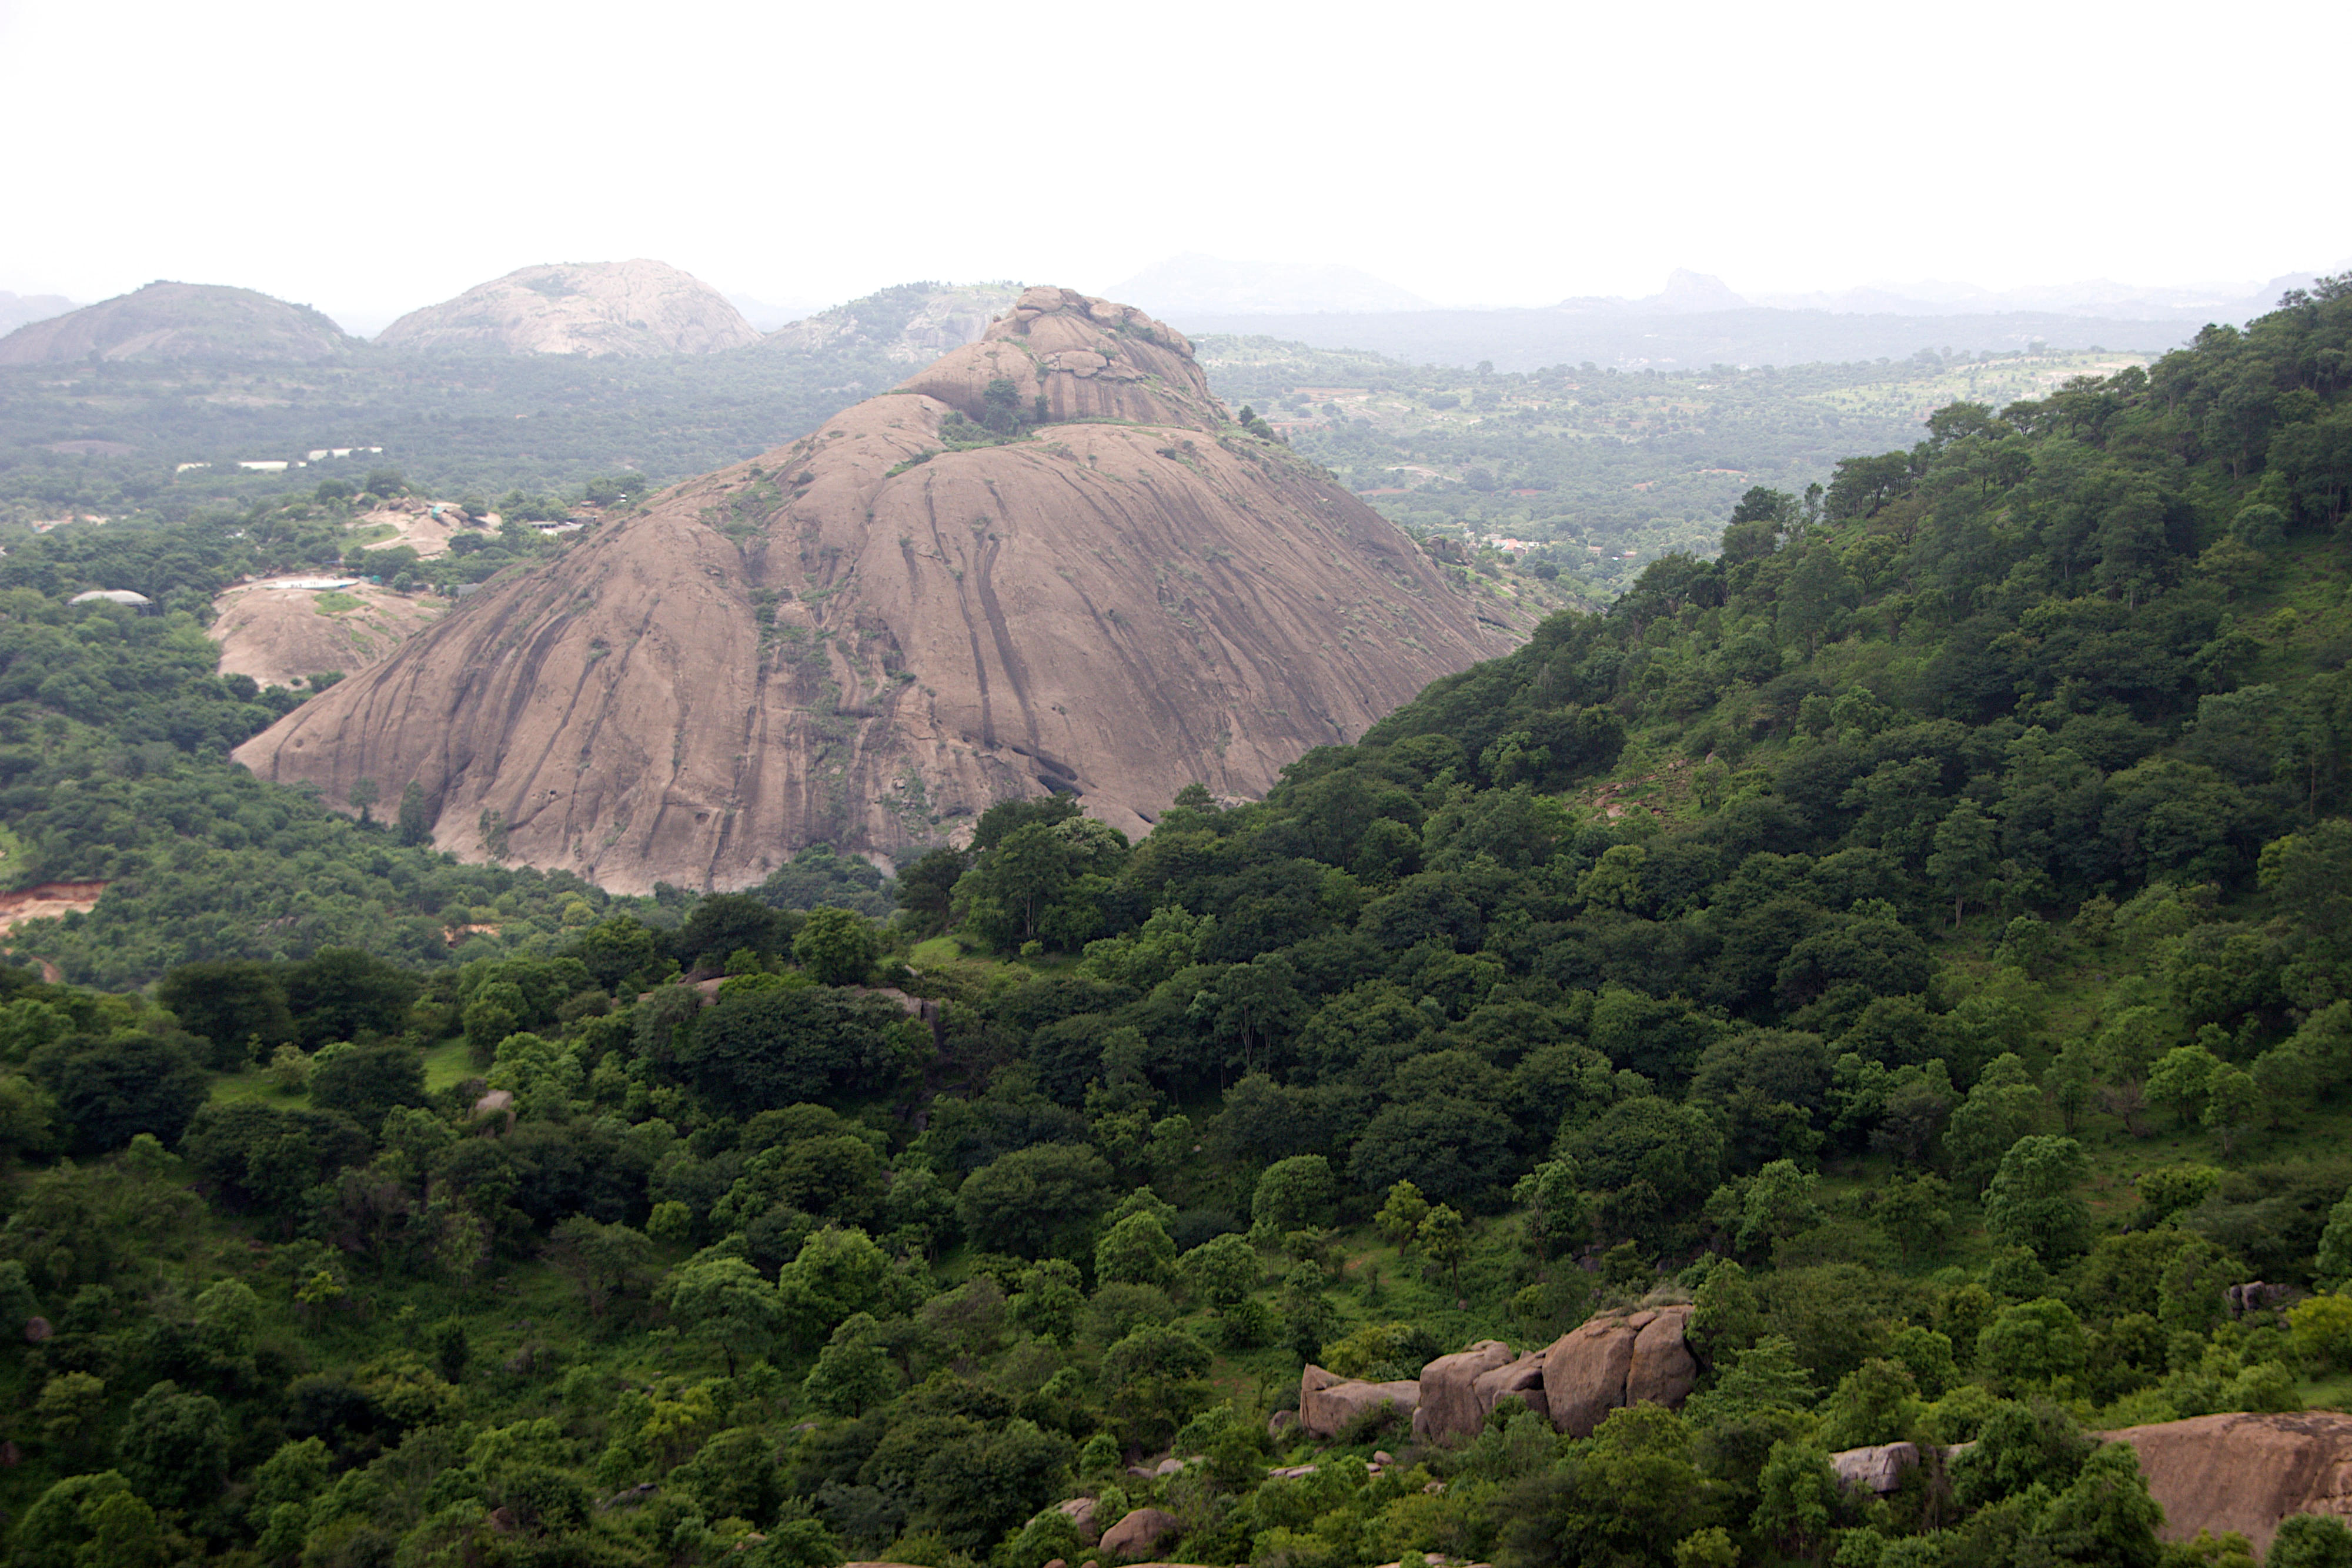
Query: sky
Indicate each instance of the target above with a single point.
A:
(372, 157)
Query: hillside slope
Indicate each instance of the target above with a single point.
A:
(181, 321)
(636, 307)
(870, 636)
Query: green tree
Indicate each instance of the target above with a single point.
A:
(2037, 1344)
(725, 1302)
(414, 826)
(2181, 1079)
(363, 795)
(1962, 859)
(836, 946)
(1222, 1270)
(1026, 1201)
(174, 1447)
(1294, 1194)
(2310, 1541)
(367, 1083)
(2232, 1103)
(1135, 1251)
(1444, 1240)
(1157, 1377)
(2033, 1201)
(1401, 1215)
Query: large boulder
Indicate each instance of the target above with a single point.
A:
(1615, 1360)
(1328, 1402)
(1878, 1469)
(1136, 1534)
(1521, 1380)
(2245, 1472)
(1663, 1371)
(1449, 1390)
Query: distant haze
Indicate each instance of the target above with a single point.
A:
(372, 160)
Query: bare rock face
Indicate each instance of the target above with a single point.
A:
(1449, 1391)
(182, 321)
(2245, 1472)
(633, 308)
(865, 639)
(1617, 1360)
(1138, 1533)
(1328, 1403)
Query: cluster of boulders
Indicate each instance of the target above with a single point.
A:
(1614, 1360)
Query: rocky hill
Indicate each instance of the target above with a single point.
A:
(635, 308)
(910, 324)
(181, 321)
(872, 634)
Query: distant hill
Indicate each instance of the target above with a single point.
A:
(1194, 284)
(181, 321)
(1657, 333)
(907, 324)
(636, 309)
(16, 309)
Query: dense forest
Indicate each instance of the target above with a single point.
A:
(1915, 937)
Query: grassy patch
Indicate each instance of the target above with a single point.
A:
(334, 603)
(451, 1061)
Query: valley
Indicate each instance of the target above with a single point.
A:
(1828, 1040)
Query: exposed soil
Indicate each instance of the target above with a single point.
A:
(48, 900)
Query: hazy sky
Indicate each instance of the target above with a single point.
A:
(368, 158)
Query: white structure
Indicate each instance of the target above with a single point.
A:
(115, 596)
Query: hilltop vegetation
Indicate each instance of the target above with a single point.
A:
(1917, 935)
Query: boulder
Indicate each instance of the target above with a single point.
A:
(1137, 1533)
(1080, 1512)
(1584, 1373)
(2245, 1472)
(1521, 1380)
(1879, 1469)
(1614, 1360)
(1449, 1392)
(1663, 1371)
(1281, 1421)
(1328, 1402)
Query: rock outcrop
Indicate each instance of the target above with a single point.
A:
(1328, 1402)
(1617, 1360)
(866, 638)
(1878, 1469)
(1138, 1533)
(1449, 1401)
(632, 307)
(182, 321)
(2245, 1472)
